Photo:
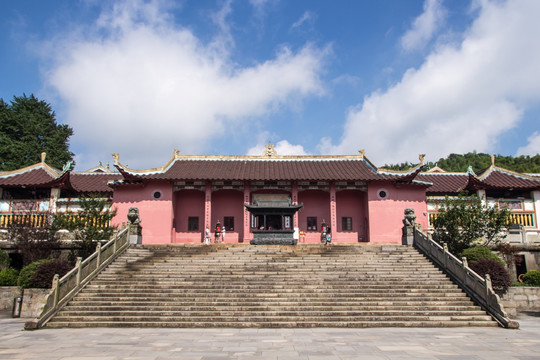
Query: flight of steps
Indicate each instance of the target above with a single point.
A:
(225, 285)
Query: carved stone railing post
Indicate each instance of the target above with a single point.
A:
(408, 227)
(55, 288)
(489, 286)
(98, 251)
(134, 226)
(78, 266)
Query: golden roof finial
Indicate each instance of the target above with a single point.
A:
(43, 156)
(116, 158)
(493, 160)
(269, 150)
(176, 153)
(421, 158)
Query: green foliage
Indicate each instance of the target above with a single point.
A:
(33, 243)
(89, 225)
(27, 128)
(531, 278)
(44, 274)
(8, 277)
(479, 163)
(464, 220)
(500, 279)
(4, 260)
(477, 253)
(27, 273)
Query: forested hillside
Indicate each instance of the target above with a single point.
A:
(479, 163)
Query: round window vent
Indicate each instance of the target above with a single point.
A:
(157, 195)
(382, 194)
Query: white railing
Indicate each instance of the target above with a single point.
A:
(65, 288)
(477, 288)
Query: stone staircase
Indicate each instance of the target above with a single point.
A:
(239, 285)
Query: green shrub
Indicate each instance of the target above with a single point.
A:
(500, 279)
(8, 277)
(532, 278)
(25, 276)
(477, 253)
(4, 260)
(44, 274)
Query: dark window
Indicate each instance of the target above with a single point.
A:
(193, 223)
(346, 223)
(312, 223)
(228, 222)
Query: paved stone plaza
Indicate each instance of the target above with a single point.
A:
(320, 343)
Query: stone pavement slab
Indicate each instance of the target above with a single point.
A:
(272, 344)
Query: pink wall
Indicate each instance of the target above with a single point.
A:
(229, 203)
(156, 214)
(188, 203)
(386, 215)
(351, 203)
(317, 204)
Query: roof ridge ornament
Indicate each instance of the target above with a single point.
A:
(116, 158)
(421, 158)
(269, 150)
(362, 153)
(68, 166)
(492, 160)
(43, 156)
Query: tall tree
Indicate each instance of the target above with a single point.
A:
(27, 128)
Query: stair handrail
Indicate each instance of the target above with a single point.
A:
(479, 289)
(65, 288)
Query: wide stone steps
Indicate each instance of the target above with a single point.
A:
(253, 291)
(283, 307)
(195, 323)
(271, 286)
(227, 301)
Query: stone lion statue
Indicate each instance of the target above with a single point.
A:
(133, 216)
(410, 217)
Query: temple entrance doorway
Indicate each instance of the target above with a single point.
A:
(272, 219)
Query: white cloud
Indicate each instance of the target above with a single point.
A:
(141, 86)
(424, 26)
(462, 98)
(533, 146)
(307, 17)
(282, 147)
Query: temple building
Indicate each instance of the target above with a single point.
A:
(256, 195)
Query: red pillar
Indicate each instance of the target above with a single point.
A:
(295, 202)
(208, 207)
(247, 214)
(333, 212)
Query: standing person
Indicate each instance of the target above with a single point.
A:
(223, 234)
(207, 235)
(217, 232)
(328, 237)
(324, 231)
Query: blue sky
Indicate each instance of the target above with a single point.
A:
(396, 78)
